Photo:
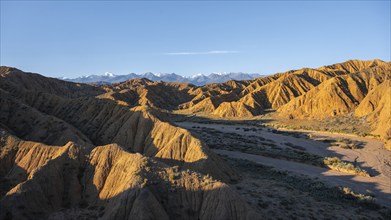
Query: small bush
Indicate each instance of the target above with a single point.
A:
(337, 164)
(367, 200)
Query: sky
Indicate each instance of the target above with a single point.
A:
(71, 38)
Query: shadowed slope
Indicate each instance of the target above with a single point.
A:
(28, 123)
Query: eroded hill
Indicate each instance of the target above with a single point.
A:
(306, 93)
(106, 183)
(110, 151)
(319, 93)
(61, 123)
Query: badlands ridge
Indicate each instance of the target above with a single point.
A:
(71, 150)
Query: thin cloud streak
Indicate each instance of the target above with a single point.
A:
(204, 53)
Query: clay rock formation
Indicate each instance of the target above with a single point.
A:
(275, 91)
(336, 96)
(107, 183)
(376, 108)
(145, 166)
(20, 158)
(232, 110)
(248, 98)
(255, 96)
(365, 94)
(58, 173)
(103, 121)
(352, 66)
(305, 93)
(37, 83)
(162, 95)
(31, 124)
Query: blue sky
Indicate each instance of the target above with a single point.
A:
(70, 38)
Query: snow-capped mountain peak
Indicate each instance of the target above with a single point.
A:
(197, 75)
(108, 74)
(197, 79)
(220, 73)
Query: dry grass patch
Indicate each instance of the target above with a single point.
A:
(335, 163)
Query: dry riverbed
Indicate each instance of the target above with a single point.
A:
(298, 152)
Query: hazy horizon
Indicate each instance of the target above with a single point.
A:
(73, 39)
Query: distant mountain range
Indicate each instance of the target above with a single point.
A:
(198, 79)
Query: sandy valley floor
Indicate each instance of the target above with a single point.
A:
(369, 154)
